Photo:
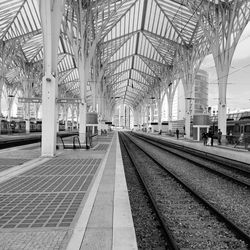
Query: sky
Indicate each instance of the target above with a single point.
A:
(238, 88)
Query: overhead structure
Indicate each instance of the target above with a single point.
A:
(120, 51)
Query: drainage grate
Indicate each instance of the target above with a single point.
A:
(101, 147)
(47, 196)
(39, 184)
(66, 167)
(39, 210)
(9, 163)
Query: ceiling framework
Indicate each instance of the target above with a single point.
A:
(136, 43)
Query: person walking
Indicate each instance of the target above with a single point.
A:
(240, 140)
(219, 136)
(177, 133)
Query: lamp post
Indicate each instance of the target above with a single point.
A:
(188, 115)
(9, 106)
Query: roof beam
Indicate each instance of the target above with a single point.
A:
(144, 14)
(176, 30)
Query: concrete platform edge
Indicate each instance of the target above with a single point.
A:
(222, 151)
(81, 225)
(123, 227)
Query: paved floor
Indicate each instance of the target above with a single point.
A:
(65, 202)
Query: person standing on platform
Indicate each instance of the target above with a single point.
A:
(219, 136)
(204, 138)
(177, 133)
(210, 138)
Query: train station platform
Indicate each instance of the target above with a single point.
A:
(75, 200)
(8, 140)
(238, 153)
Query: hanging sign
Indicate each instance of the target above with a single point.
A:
(29, 100)
(39, 100)
(69, 100)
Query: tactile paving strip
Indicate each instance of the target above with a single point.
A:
(101, 147)
(47, 196)
(9, 163)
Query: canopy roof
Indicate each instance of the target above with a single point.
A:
(137, 41)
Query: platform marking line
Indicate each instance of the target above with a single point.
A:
(123, 227)
(81, 225)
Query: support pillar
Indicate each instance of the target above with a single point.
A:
(189, 97)
(65, 116)
(51, 12)
(170, 89)
(72, 116)
(49, 89)
(10, 105)
(27, 118)
(223, 33)
(77, 117)
(1, 91)
(27, 93)
(188, 60)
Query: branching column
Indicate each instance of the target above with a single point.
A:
(72, 115)
(169, 87)
(160, 99)
(51, 14)
(83, 76)
(65, 115)
(37, 107)
(136, 117)
(188, 61)
(170, 92)
(27, 88)
(10, 101)
(188, 83)
(223, 23)
(77, 116)
(1, 91)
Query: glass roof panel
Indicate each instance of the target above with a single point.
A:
(136, 39)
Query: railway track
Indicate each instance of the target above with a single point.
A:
(148, 228)
(234, 170)
(190, 218)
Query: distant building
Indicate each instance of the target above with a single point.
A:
(199, 98)
(200, 104)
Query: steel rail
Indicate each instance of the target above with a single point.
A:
(239, 231)
(195, 161)
(167, 232)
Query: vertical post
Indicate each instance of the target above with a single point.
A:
(159, 114)
(27, 118)
(72, 116)
(51, 14)
(77, 116)
(66, 111)
(83, 75)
